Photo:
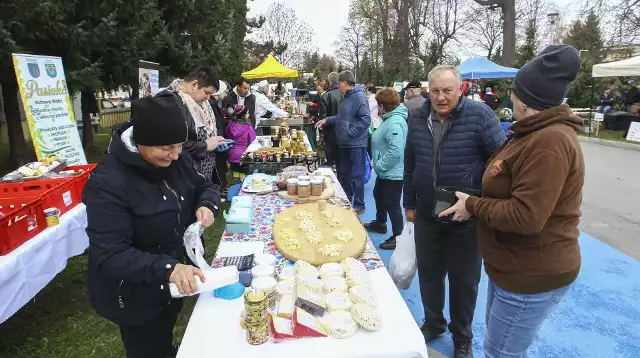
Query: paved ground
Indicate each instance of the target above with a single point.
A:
(610, 208)
(600, 314)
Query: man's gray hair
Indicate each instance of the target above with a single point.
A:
(333, 78)
(348, 77)
(440, 68)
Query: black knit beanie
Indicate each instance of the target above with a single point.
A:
(158, 121)
(543, 82)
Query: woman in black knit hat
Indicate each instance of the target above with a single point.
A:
(140, 199)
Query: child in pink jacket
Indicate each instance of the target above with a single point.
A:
(241, 131)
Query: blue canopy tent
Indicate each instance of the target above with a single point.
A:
(481, 67)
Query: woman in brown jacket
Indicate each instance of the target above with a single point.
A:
(529, 211)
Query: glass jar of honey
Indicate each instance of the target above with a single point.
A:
(304, 189)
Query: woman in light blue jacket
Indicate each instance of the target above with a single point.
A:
(388, 143)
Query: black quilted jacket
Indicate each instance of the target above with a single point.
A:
(473, 137)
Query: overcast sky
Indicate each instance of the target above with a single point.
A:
(327, 16)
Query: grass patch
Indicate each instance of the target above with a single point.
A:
(59, 321)
(608, 134)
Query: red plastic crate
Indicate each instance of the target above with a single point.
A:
(81, 180)
(55, 193)
(22, 219)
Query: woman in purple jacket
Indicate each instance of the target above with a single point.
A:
(241, 131)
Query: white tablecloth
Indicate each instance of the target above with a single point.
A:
(30, 267)
(214, 331)
(214, 328)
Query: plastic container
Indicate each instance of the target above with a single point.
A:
(21, 220)
(262, 271)
(316, 186)
(55, 193)
(81, 179)
(304, 189)
(292, 186)
(268, 285)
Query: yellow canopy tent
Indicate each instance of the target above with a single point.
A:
(270, 68)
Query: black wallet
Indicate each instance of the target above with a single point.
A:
(445, 197)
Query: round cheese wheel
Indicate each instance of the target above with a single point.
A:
(366, 316)
(335, 284)
(305, 268)
(337, 301)
(351, 264)
(339, 324)
(331, 269)
(362, 294)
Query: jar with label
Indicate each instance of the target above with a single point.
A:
(268, 285)
(304, 189)
(257, 333)
(255, 306)
(292, 186)
(316, 186)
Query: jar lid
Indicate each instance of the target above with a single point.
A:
(255, 295)
(303, 183)
(317, 180)
(262, 270)
(292, 180)
(304, 177)
(266, 284)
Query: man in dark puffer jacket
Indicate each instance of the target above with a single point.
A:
(450, 139)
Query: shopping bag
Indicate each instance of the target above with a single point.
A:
(403, 264)
(367, 169)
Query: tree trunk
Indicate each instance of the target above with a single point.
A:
(89, 105)
(19, 154)
(509, 33)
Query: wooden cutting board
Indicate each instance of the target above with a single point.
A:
(328, 192)
(308, 251)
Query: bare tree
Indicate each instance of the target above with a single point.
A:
(351, 46)
(443, 27)
(486, 29)
(283, 27)
(620, 19)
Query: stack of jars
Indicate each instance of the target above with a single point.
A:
(255, 316)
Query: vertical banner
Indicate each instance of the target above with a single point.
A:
(148, 78)
(47, 106)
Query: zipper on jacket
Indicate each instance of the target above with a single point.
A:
(444, 137)
(177, 202)
(119, 295)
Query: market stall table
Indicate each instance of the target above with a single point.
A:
(214, 327)
(265, 140)
(30, 267)
(265, 124)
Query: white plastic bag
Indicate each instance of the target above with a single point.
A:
(403, 264)
(216, 278)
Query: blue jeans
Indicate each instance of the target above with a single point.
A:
(351, 174)
(604, 109)
(514, 319)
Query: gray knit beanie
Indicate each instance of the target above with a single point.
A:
(543, 82)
